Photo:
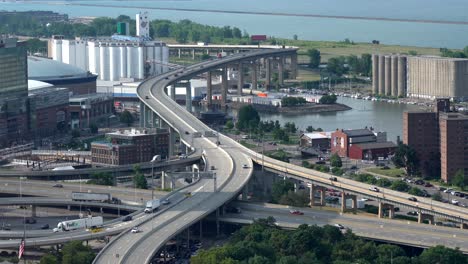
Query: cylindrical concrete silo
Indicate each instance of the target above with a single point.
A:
(150, 59)
(375, 74)
(141, 63)
(165, 58)
(123, 62)
(388, 75)
(114, 63)
(382, 75)
(402, 79)
(58, 50)
(103, 63)
(130, 69)
(394, 74)
(158, 58)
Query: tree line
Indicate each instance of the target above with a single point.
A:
(343, 64)
(183, 31)
(263, 242)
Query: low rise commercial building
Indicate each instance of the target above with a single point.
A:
(372, 151)
(90, 108)
(131, 146)
(318, 140)
(361, 144)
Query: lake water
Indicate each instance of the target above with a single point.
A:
(379, 115)
(404, 33)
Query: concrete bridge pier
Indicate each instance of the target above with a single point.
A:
(188, 96)
(422, 217)
(463, 225)
(163, 180)
(240, 79)
(281, 70)
(344, 197)
(209, 89)
(217, 222)
(254, 77)
(293, 66)
(224, 86)
(173, 92)
(313, 189)
(267, 73)
(33, 211)
(245, 192)
(389, 207)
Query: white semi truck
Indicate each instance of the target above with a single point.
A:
(152, 205)
(93, 197)
(89, 222)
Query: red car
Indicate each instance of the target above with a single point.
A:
(296, 212)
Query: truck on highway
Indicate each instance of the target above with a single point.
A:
(89, 222)
(94, 197)
(152, 205)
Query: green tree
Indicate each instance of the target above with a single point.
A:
(442, 255)
(139, 179)
(437, 197)
(416, 191)
(102, 178)
(460, 180)
(314, 58)
(328, 99)
(400, 186)
(310, 129)
(247, 115)
(229, 125)
(383, 182)
(386, 253)
(335, 160)
(49, 259)
(405, 156)
(280, 188)
(297, 199)
(337, 66)
(75, 252)
(258, 260)
(126, 117)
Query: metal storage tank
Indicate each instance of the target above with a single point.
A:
(58, 50)
(104, 62)
(150, 59)
(81, 56)
(375, 74)
(123, 62)
(381, 75)
(394, 74)
(141, 63)
(114, 63)
(388, 75)
(130, 71)
(158, 57)
(402, 79)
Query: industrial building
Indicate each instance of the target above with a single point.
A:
(427, 77)
(77, 80)
(318, 140)
(438, 136)
(131, 146)
(90, 108)
(389, 75)
(361, 144)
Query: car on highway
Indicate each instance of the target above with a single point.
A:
(188, 194)
(58, 185)
(333, 179)
(187, 133)
(165, 201)
(127, 218)
(413, 199)
(412, 213)
(30, 221)
(146, 97)
(245, 166)
(212, 167)
(339, 226)
(374, 189)
(44, 226)
(296, 212)
(135, 230)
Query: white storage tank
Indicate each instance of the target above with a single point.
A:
(130, 58)
(141, 63)
(114, 63)
(57, 50)
(104, 63)
(165, 52)
(123, 62)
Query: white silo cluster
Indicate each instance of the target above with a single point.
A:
(113, 59)
(389, 75)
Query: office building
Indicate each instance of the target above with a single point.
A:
(131, 146)
(90, 109)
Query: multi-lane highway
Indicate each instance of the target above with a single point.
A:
(393, 231)
(229, 157)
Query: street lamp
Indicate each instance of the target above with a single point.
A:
(155, 158)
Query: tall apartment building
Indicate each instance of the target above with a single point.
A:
(440, 132)
(13, 90)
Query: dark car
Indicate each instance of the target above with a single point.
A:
(419, 182)
(187, 133)
(58, 185)
(333, 179)
(413, 199)
(45, 226)
(320, 162)
(146, 97)
(30, 221)
(127, 218)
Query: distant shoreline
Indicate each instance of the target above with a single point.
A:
(303, 109)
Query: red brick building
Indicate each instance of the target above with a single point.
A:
(453, 144)
(342, 139)
(131, 146)
(371, 151)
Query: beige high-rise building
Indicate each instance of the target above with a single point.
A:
(432, 77)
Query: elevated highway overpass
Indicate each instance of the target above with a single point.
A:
(140, 248)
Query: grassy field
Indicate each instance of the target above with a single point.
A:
(390, 172)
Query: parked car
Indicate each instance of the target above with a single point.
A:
(419, 182)
(340, 226)
(455, 202)
(428, 184)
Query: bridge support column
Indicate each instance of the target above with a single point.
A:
(173, 92)
(312, 194)
(193, 54)
(422, 217)
(68, 207)
(188, 96)
(217, 222)
(389, 207)
(254, 77)
(245, 192)
(142, 114)
(240, 79)
(101, 210)
(463, 225)
(163, 180)
(293, 66)
(345, 197)
(322, 196)
(281, 70)
(224, 86)
(179, 53)
(209, 89)
(267, 73)
(33, 211)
